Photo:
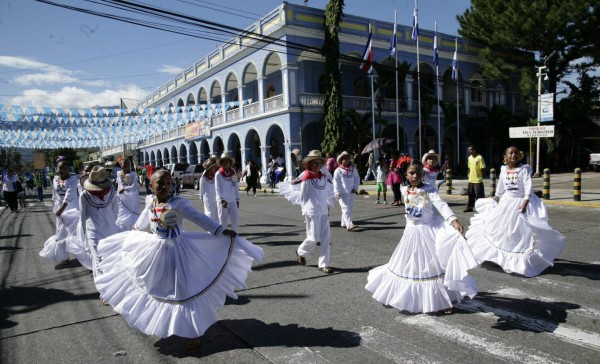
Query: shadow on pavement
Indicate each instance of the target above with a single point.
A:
(280, 264)
(14, 236)
(565, 268)
(229, 335)
(244, 299)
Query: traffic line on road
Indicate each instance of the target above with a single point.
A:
(300, 356)
(392, 348)
(590, 340)
(476, 340)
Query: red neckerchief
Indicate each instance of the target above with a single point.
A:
(347, 169)
(229, 172)
(429, 168)
(100, 194)
(209, 176)
(311, 175)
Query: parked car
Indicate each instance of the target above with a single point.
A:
(191, 176)
(595, 161)
(176, 169)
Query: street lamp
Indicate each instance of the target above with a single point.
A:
(539, 112)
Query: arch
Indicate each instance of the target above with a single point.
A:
(173, 154)
(202, 96)
(215, 92)
(252, 144)
(204, 150)
(272, 75)
(272, 64)
(171, 106)
(146, 157)
(218, 147)
(312, 135)
(308, 56)
(183, 157)
(159, 161)
(477, 89)
(235, 149)
(166, 158)
(180, 103)
(250, 82)
(275, 140)
(193, 153)
(153, 158)
(190, 100)
(231, 85)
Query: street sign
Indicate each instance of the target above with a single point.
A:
(532, 132)
(547, 107)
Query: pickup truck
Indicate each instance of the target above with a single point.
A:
(595, 161)
(191, 176)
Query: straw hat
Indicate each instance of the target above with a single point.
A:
(97, 179)
(212, 161)
(430, 154)
(344, 154)
(314, 155)
(225, 156)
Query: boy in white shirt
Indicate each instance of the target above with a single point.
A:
(381, 180)
(228, 194)
(208, 193)
(346, 182)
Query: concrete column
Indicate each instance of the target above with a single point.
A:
(240, 98)
(265, 151)
(243, 152)
(261, 93)
(224, 111)
(290, 164)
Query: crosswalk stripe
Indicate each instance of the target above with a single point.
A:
(392, 348)
(300, 356)
(561, 286)
(563, 332)
(477, 340)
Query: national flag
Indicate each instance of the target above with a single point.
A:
(435, 46)
(393, 41)
(367, 64)
(415, 29)
(455, 64)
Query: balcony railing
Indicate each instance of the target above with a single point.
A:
(251, 109)
(233, 115)
(274, 103)
(218, 120)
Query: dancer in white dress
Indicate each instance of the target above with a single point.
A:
(228, 193)
(99, 210)
(428, 269)
(512, 229)
(128, 196)
(346, 182)
(171, 282)
(66, 209)
(208, 195)
(77, 244)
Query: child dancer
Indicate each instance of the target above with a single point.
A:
(171, 282)
(315, 198)
(428, 269)
(430, 161)
(346, 182)
(381, 179)
(128, 196)
(512, 230)
(208, 194)
(99, 211)
(66, 209)
(227, 191)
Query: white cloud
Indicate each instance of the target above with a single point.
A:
(54, 76)
(174, 70)
(70, 96)
(23, 63)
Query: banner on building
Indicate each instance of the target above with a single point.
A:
(39, 161)
(196, 130)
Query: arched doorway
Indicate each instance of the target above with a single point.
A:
(193, 153)
(252, 144)
(182, 153)
(235, 149)
(204, 150)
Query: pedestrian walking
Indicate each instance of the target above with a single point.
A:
(21, 194)
(382, 172)
(208, 194)
(9, 189)
(476, 170)
(445, 166)
(251, 176)
(346, 182)
(371, 167)
(428, 270)
(512, 229)
(394, 179)
(227, 191)
(171, 281)
(38, 183)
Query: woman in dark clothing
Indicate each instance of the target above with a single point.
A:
(251, 174)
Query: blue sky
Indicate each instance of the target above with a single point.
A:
(56, 57)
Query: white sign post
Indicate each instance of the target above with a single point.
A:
(532, 132)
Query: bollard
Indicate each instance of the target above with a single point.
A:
(577, 185)
(449, 181)
(546, 187)
(492, 182)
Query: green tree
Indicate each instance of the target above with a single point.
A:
(333, 99)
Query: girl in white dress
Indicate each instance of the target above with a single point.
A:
(171, 282)
(512, 229)
(428, 269)
(66, 209)
(208, 195)
(99, 211)
(77, 244)
(128, 196)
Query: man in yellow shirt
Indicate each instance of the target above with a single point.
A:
(476, 166)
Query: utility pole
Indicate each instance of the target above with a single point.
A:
(539, 113)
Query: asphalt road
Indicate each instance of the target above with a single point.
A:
(296, 314)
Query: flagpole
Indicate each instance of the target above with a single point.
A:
(437, 91)
(397, 95)
(457, 106)
(418, 82)
(372, 104)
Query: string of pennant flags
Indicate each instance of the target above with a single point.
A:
(34, 127)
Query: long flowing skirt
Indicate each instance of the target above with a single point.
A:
(56, 247)
(427, 271)
(129, 210)
(77, 245)
(522, 243)
(172, 286)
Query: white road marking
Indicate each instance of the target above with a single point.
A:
(477, 340)
(590, 340)
(561, 286)
(299, 356)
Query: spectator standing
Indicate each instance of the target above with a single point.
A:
(476, 169)
(39, 186)
(9, 189)
(371, 166)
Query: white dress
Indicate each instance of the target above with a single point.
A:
(428, 269)
(522, 243)
(56, 247)
(171, 282)
(77, 243)
(129, 200)
(208, 195)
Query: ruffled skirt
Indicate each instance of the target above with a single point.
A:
(427, 271)
(522, 243)
(167, 287)
(56, 247)
(290, 192)
(77, 245)
(129, 210)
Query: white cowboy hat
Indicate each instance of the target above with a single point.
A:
(97, 179)
(313, 155)
(343, 155)
(212, 161)
(430, 154)
(225, 156)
